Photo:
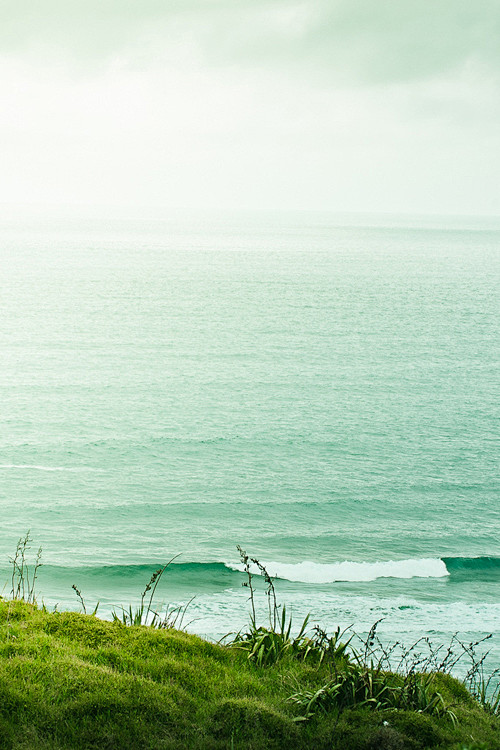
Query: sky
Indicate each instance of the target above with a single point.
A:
(383, 106)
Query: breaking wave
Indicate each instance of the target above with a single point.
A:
(219, 574)
(312, 572)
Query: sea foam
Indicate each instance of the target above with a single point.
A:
(313, 572)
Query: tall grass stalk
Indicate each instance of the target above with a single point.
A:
(267, 644)
(23, 579)
(145, 614)
(82, 601)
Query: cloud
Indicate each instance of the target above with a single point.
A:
(352, 41)
(374, 105)
(398, 41)
(367, 41)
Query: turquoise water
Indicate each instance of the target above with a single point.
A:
(325, 396)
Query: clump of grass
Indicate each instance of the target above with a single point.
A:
(367, 679)
(71, 681)
(425, 657)
(360, 686)
(23, 577)
(402, 678)
(268, 644)
(146, 614)
(141, 614)
(371, 675)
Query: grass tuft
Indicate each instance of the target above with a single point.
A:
(24, 578)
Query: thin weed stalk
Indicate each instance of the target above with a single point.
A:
(246, 562)
(23, 581)
(145, 614)
(82, 601)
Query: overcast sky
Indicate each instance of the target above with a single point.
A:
(337, 105)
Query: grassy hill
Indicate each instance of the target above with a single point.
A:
(70, 680)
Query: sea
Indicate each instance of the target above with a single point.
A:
(323, 392)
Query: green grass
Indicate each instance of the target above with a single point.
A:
(70, 680)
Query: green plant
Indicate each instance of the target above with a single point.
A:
(360, 686)
(484, 687)
(267, 644)
(360, 678)
(23, 580)
(145, 614)
(140, 615)
(82, 601)
(422, 657)
(330, 648)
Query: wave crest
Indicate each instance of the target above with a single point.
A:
(312, 572)
(308, 572)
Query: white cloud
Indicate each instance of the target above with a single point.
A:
(271, 104)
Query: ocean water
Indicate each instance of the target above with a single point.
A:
(325, 396)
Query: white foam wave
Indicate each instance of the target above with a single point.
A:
(312, 572)
(37, 467)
